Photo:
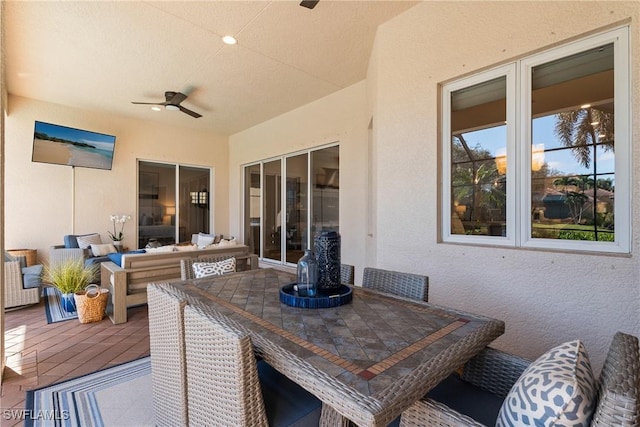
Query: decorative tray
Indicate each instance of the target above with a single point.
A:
(323, 299)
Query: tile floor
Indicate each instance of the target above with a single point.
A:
(40, 354)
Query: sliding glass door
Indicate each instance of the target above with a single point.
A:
(281, 216)
(173, 202)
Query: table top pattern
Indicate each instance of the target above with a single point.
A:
(369, 346)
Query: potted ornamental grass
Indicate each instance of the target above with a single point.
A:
(68, 277)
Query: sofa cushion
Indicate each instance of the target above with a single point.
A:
(103, 249)
(85, 241)
(95, 260)
(32, 276)
(558, 389)
(204, 269)
(185, 248)
(161, 249)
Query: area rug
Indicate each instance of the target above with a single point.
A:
(53, 308)
(118, 396)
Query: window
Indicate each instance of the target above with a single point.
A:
(281, 216)
(535, 151)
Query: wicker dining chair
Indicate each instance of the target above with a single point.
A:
(186, 265)
(168, 364)
(406, 285)
(475, 398)
(229, 386)
(347, 273)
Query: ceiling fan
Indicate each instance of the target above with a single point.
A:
(172, 102)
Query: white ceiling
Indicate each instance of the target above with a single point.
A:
(101, 55)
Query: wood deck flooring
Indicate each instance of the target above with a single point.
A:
(39, 354)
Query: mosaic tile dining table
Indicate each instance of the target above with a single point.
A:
(367, 361)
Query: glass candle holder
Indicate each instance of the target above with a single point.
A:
(307, 274)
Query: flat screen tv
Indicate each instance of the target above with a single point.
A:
(62, 145)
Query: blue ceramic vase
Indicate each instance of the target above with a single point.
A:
(68, 302)
(327, 247)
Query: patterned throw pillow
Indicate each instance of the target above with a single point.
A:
(204, 269)
(84, 242)
(558, 389)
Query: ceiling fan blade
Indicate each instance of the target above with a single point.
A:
(148, 103)
(189, 112)
(309, 4)
(175, 98)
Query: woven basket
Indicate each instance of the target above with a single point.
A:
(91, 303)
(29, 254)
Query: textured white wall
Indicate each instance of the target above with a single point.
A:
(336, 118)
(545, 298)
(39, 197)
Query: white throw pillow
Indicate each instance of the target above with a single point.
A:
(558, 389)
(228, 242)
(103, 249)
(205, 240)
(204, 269)
(85, 242)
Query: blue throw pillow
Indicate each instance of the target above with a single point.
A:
(31, 276)
(70, 241)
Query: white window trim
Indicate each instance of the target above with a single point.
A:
(518, 117)
(508, 71)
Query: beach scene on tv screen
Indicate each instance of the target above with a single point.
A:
(74, 147)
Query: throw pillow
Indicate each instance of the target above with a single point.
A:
(84, 242)
(205, 240)
(71, 241)
(31, 276)
(228, 242)
(103, 249)
(558, 389)
(204, 269)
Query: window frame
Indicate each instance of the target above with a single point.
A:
(519, 140)
(509, 72)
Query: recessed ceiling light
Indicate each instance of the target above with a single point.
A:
(156, 108)
(585, 106)
(229, 40)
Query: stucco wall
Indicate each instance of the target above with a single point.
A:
(544, 297)
(42, 201)
(336, 118)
